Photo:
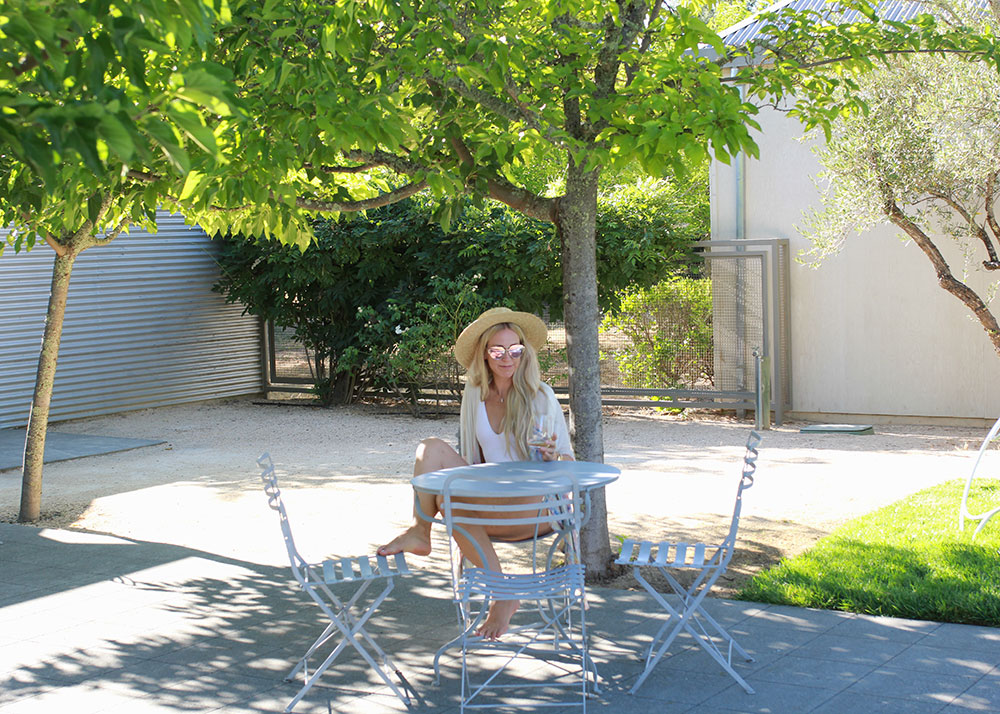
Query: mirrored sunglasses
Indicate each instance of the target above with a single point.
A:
(497, 353)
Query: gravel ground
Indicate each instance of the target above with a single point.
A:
(345, 473)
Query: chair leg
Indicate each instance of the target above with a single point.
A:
(458, 639)
(682, 621)
(349, 626)
(320, 641)
(549, 625)
(686, 594)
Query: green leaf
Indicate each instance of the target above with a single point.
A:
(192, 183)
(93, 208)
(164, 136)
(328, 39)
(190, 123)
(204, 88)
(117, 137)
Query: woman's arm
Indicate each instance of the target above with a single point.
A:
(563, 446)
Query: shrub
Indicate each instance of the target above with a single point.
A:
(379, 299)
(669, 331)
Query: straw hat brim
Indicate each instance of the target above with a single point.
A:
(532, 326)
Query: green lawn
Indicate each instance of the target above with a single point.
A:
(905, 560)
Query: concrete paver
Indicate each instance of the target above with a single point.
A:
(96, 624)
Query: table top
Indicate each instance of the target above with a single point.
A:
(515, 478)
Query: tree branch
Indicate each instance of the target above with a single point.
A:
(143, 176)
(528, 203)
(516, 112)
(499, 189)
(370, 160)
(108, 237)
(363, 204)
(616, 40)
(945, 278)
(647, 40)
(55, 245)
(993, 263)
(990, 198)
(360, 169)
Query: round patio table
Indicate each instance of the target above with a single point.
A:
(515, 478)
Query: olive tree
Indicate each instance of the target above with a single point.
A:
(925, 158)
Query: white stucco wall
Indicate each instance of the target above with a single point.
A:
(872, 333)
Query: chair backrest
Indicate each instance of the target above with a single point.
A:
(556, 500)
(746, 481)
(963, 511)
(270, 479)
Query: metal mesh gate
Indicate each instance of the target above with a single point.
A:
(692, 345)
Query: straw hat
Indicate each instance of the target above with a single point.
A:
(533, 328)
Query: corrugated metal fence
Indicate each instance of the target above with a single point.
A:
(142, 327)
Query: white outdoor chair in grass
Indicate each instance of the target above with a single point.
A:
(552, 598)
(347, 617)
(709, 561)
(963, 513)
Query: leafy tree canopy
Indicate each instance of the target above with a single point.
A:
(105, 108)
(254, 116)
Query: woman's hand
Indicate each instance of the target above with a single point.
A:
(545, 446)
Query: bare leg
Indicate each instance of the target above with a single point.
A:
(498, 619)
(432, 454)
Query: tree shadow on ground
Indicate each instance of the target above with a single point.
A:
(100, 618)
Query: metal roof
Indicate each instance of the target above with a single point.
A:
(750, 28)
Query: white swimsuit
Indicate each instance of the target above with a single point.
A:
(494, 445)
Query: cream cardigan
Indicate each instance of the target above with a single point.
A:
(544, 402)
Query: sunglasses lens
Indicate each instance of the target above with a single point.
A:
(498, 353)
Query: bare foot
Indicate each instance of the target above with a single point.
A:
(498, 620)
(412, 540)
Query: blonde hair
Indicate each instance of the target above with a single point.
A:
(516, 424)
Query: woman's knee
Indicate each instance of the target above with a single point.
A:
(432, 448)
(437, 453)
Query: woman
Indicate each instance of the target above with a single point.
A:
(503, 395)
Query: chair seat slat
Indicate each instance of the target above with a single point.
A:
(366, 567)
(625, 556)
(347, 570)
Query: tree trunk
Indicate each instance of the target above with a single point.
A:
(945, 278)
(38, 419)
(576, 221)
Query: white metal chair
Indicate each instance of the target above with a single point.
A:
(347, 618)
(539, 562)
(557, 632)
(963, 512)
(710, 561)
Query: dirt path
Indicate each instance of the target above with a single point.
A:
(345, 474)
